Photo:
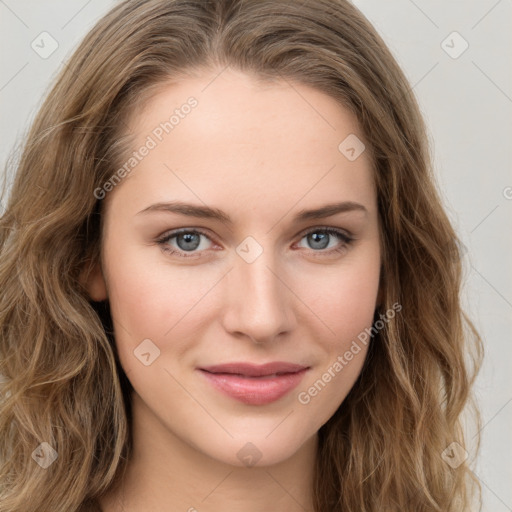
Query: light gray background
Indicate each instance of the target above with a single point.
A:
(467, 102)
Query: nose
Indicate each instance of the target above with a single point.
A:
(259, 303)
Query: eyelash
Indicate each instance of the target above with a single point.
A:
(346, 240)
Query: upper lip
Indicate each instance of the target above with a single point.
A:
(254, 370)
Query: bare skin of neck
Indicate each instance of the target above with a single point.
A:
(178, 478)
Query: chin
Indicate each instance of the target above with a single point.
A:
(253, 450)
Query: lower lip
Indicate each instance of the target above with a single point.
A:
(255, 390)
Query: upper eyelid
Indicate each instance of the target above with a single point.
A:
(173, 233)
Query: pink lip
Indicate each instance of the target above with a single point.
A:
(255, 384)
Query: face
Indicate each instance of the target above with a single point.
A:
(213, 266)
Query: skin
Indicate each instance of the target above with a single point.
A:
(261, 152)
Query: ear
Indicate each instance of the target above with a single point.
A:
(93, 280)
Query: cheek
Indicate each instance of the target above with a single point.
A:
(152, 299)
(346, 307)
(148, 294)
(320, 396)
(354, 306)
(155, 301)
(343, 299)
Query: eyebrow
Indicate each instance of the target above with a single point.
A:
(206, 212)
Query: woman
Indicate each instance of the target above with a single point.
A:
(175, 332)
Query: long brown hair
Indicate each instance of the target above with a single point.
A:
(382, 450)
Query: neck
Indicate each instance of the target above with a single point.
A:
(166, 474)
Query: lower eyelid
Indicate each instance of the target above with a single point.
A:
(163, 241)
(344, 238)
(341, 235)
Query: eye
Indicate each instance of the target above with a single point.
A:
(188, 241)
(319, 239)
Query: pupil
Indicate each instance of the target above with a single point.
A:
(189, 242)
(319, 237)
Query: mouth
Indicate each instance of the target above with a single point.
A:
(255, 384)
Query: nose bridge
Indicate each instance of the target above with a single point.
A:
(258, 301)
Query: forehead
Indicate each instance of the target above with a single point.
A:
(229, 100)
(215, 136)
